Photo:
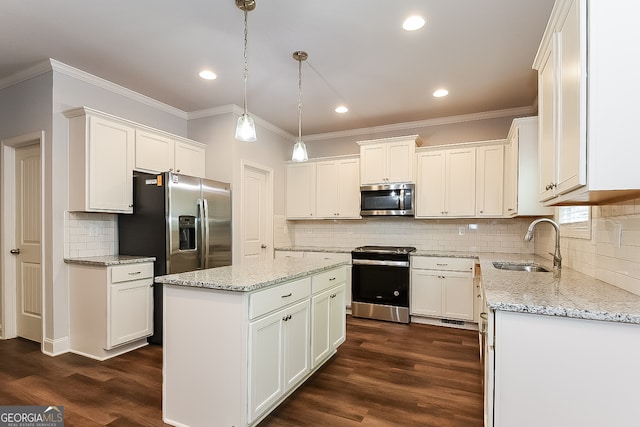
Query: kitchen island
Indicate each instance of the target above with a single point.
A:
(239, 339)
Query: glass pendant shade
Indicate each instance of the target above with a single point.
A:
(245, 129)
(299, 152)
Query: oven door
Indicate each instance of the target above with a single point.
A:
(381, 282)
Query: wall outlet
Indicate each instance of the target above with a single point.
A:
(94, 230)
(461, 231)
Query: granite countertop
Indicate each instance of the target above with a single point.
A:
(109, 260)
(251, 276)
(573, 294)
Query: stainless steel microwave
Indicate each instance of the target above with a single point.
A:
(387, 199)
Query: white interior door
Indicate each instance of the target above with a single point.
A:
(256, 213)
(28, 242)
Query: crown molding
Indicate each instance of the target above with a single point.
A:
(35, 70)
(398, 127)
(238, 111)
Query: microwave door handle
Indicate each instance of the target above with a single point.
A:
(202, 218)
(205, 243)
(402, 199)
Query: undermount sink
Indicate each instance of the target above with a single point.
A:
(521, 266)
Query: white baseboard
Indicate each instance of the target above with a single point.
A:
(55, 347)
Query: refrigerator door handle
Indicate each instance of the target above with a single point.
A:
(205, 242)
(203, 224)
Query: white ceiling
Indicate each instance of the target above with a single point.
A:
(480, 50)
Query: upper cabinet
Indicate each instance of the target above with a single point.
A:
(446, 183)
(159, 152)
(101, 151)
(324, 189)
(586, 153)
(104, 150)
(388, 160)
(521, 175)
(489, 181)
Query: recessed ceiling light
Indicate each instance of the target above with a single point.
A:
(341, 109)
(413, 23)
(440, 93)
(207, 74)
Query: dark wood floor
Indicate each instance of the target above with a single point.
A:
(386, 374)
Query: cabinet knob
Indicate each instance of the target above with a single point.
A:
(263, 246)
(481, 211)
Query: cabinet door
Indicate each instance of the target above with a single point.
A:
(348, 188)
(296, 344)
(189, 158)
(130, 312)
(110, 170)
(374, 164)
(457, 295)
(511, 175)
(337, 316)
(490, 181)
(266, 379)
(461, 182)
(571, 138)
(154, 152)
(320, 324)
(400, 158)
(546, 139)
(430, 185)
(301, 191)
(326, 190)
(426, 293)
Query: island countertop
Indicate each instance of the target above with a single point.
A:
(252, 275)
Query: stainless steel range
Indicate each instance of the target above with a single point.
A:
(380, 282)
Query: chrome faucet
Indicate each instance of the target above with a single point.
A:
(557, 258)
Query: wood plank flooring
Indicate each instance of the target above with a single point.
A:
(385, 374)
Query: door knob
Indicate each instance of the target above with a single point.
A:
(15, 251)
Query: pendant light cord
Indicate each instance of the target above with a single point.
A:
(300, 100)
(246, 62)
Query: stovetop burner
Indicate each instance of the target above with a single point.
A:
(385, 249)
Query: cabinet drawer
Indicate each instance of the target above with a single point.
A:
(330, 278)
(125, 273)
(263, 302)
(443, 263)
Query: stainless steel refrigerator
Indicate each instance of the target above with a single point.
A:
(183, 221)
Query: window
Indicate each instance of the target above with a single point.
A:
(575, 221)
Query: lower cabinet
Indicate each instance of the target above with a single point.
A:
(442, 288)
(110, 308)
(279, 356)
(328, 328)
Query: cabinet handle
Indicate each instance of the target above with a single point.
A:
(333, 278)
(133, 273)
(332, 296)
(441, 265)
(131, 205)
(286, 296)
(285, 318)
(483, 315)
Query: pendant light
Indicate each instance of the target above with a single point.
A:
(299, 149)
(245, 128)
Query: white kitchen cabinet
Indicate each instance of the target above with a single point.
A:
(279, 355)
(160, 152)
(328, 313)
(110, 307)
(338, 189)
(586, 155)
(446, 183)
(101, 157)
(521, 172)
(443, 288)
(388, 160)
(562, 371)
(189, 157)
(301, 190)
(489, 181)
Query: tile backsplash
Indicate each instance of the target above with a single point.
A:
(612, 254)
(90, 234)
(468, 235)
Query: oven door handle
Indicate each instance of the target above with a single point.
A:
(378, 262)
